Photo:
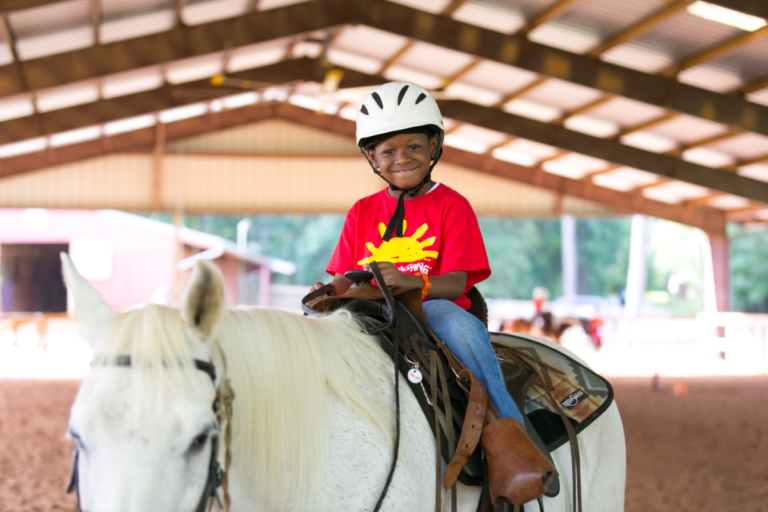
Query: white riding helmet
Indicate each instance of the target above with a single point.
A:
(394, 107)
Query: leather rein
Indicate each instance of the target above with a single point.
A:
(215, 472)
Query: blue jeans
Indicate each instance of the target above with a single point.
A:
(468, 338)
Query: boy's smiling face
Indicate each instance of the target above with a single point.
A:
(404, 159)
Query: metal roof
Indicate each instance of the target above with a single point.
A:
(688, 89)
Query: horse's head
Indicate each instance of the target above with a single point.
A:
(144, 427)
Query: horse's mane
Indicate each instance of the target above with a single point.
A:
(286, 370)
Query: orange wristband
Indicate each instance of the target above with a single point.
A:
(427, 284)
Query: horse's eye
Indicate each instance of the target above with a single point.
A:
(199, 441)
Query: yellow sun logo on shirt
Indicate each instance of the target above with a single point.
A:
(403, 249)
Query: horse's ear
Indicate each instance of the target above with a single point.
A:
(91, 310)
(203, 304)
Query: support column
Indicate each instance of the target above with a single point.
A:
(716, 274)
(264, 285)
(570, 260)
(157, 167)
(637, 274)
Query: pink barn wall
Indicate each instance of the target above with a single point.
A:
(143, 250)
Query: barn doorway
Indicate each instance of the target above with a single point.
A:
(31, 279)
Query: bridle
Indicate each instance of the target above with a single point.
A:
(216, 474)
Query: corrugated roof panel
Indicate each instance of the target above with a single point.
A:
(750, 62)
(204, 11)
(532, 110)
(485, 136)
(760, 96)
(682, 35)
(708, 157)
(584, 163)
(638, 56)
(265, 5)
(50, 18)
(131, 82)
(649, 141)
(754, 171)
(257, 55)
(6, 56)
(711, 77)
(499, 77)
(566, 35)
(535, 151)
(496, 15)
(626, 112)
(120, 29)
(728, 202)
(403, 74)
(608, 17)
(745, 146)
(592, 126)
(473, 94)
(563, 95)
(369, 41)
(195, 68)
(67, 96)
(56, 42)
(356, 61)
(688, 129)
(433, 6)
(531, 8)
(434, 60)
(16, 106)
(675, 192)
(625, 179)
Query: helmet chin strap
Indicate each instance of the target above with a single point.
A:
(395, 224)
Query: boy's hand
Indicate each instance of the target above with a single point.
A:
(395, 278)
(317, 286)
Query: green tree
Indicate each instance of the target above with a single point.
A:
(749, 272)
(603, 254)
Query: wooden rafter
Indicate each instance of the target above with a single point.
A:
(717, 51)
(641, 27)
(754, 86)
(523, 90)
(463, 71)
(585, 108)
(393, 59)
(96, 20)
(179, 9)
(647, 124)
(711, 140)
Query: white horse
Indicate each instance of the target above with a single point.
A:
(313, 425)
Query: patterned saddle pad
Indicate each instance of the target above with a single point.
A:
(582, 394)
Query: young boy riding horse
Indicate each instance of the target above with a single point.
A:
(433, 243)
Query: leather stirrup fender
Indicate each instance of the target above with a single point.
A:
(470, 430)
(517, 470)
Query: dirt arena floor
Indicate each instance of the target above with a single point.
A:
(704, 450)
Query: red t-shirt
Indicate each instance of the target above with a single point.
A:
(440, 235)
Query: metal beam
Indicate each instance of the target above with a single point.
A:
(178, 43)
(610, 150)
(168, 96)
(717, 51)
(18, 5)
(556, 63)
(640, 27)
(145, 139)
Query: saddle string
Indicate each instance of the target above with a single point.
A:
(435, 370)
(575, 453)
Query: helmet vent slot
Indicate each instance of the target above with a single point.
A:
(377, 99)
(401, 95)
(364, 110)
(421, 98)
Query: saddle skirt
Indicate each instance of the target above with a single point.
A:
(580, 393)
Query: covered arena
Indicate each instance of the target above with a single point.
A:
(562, 110)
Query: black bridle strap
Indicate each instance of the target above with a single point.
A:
(387, 292)
(125, 361)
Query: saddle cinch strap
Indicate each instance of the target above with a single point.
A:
(465, 393)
